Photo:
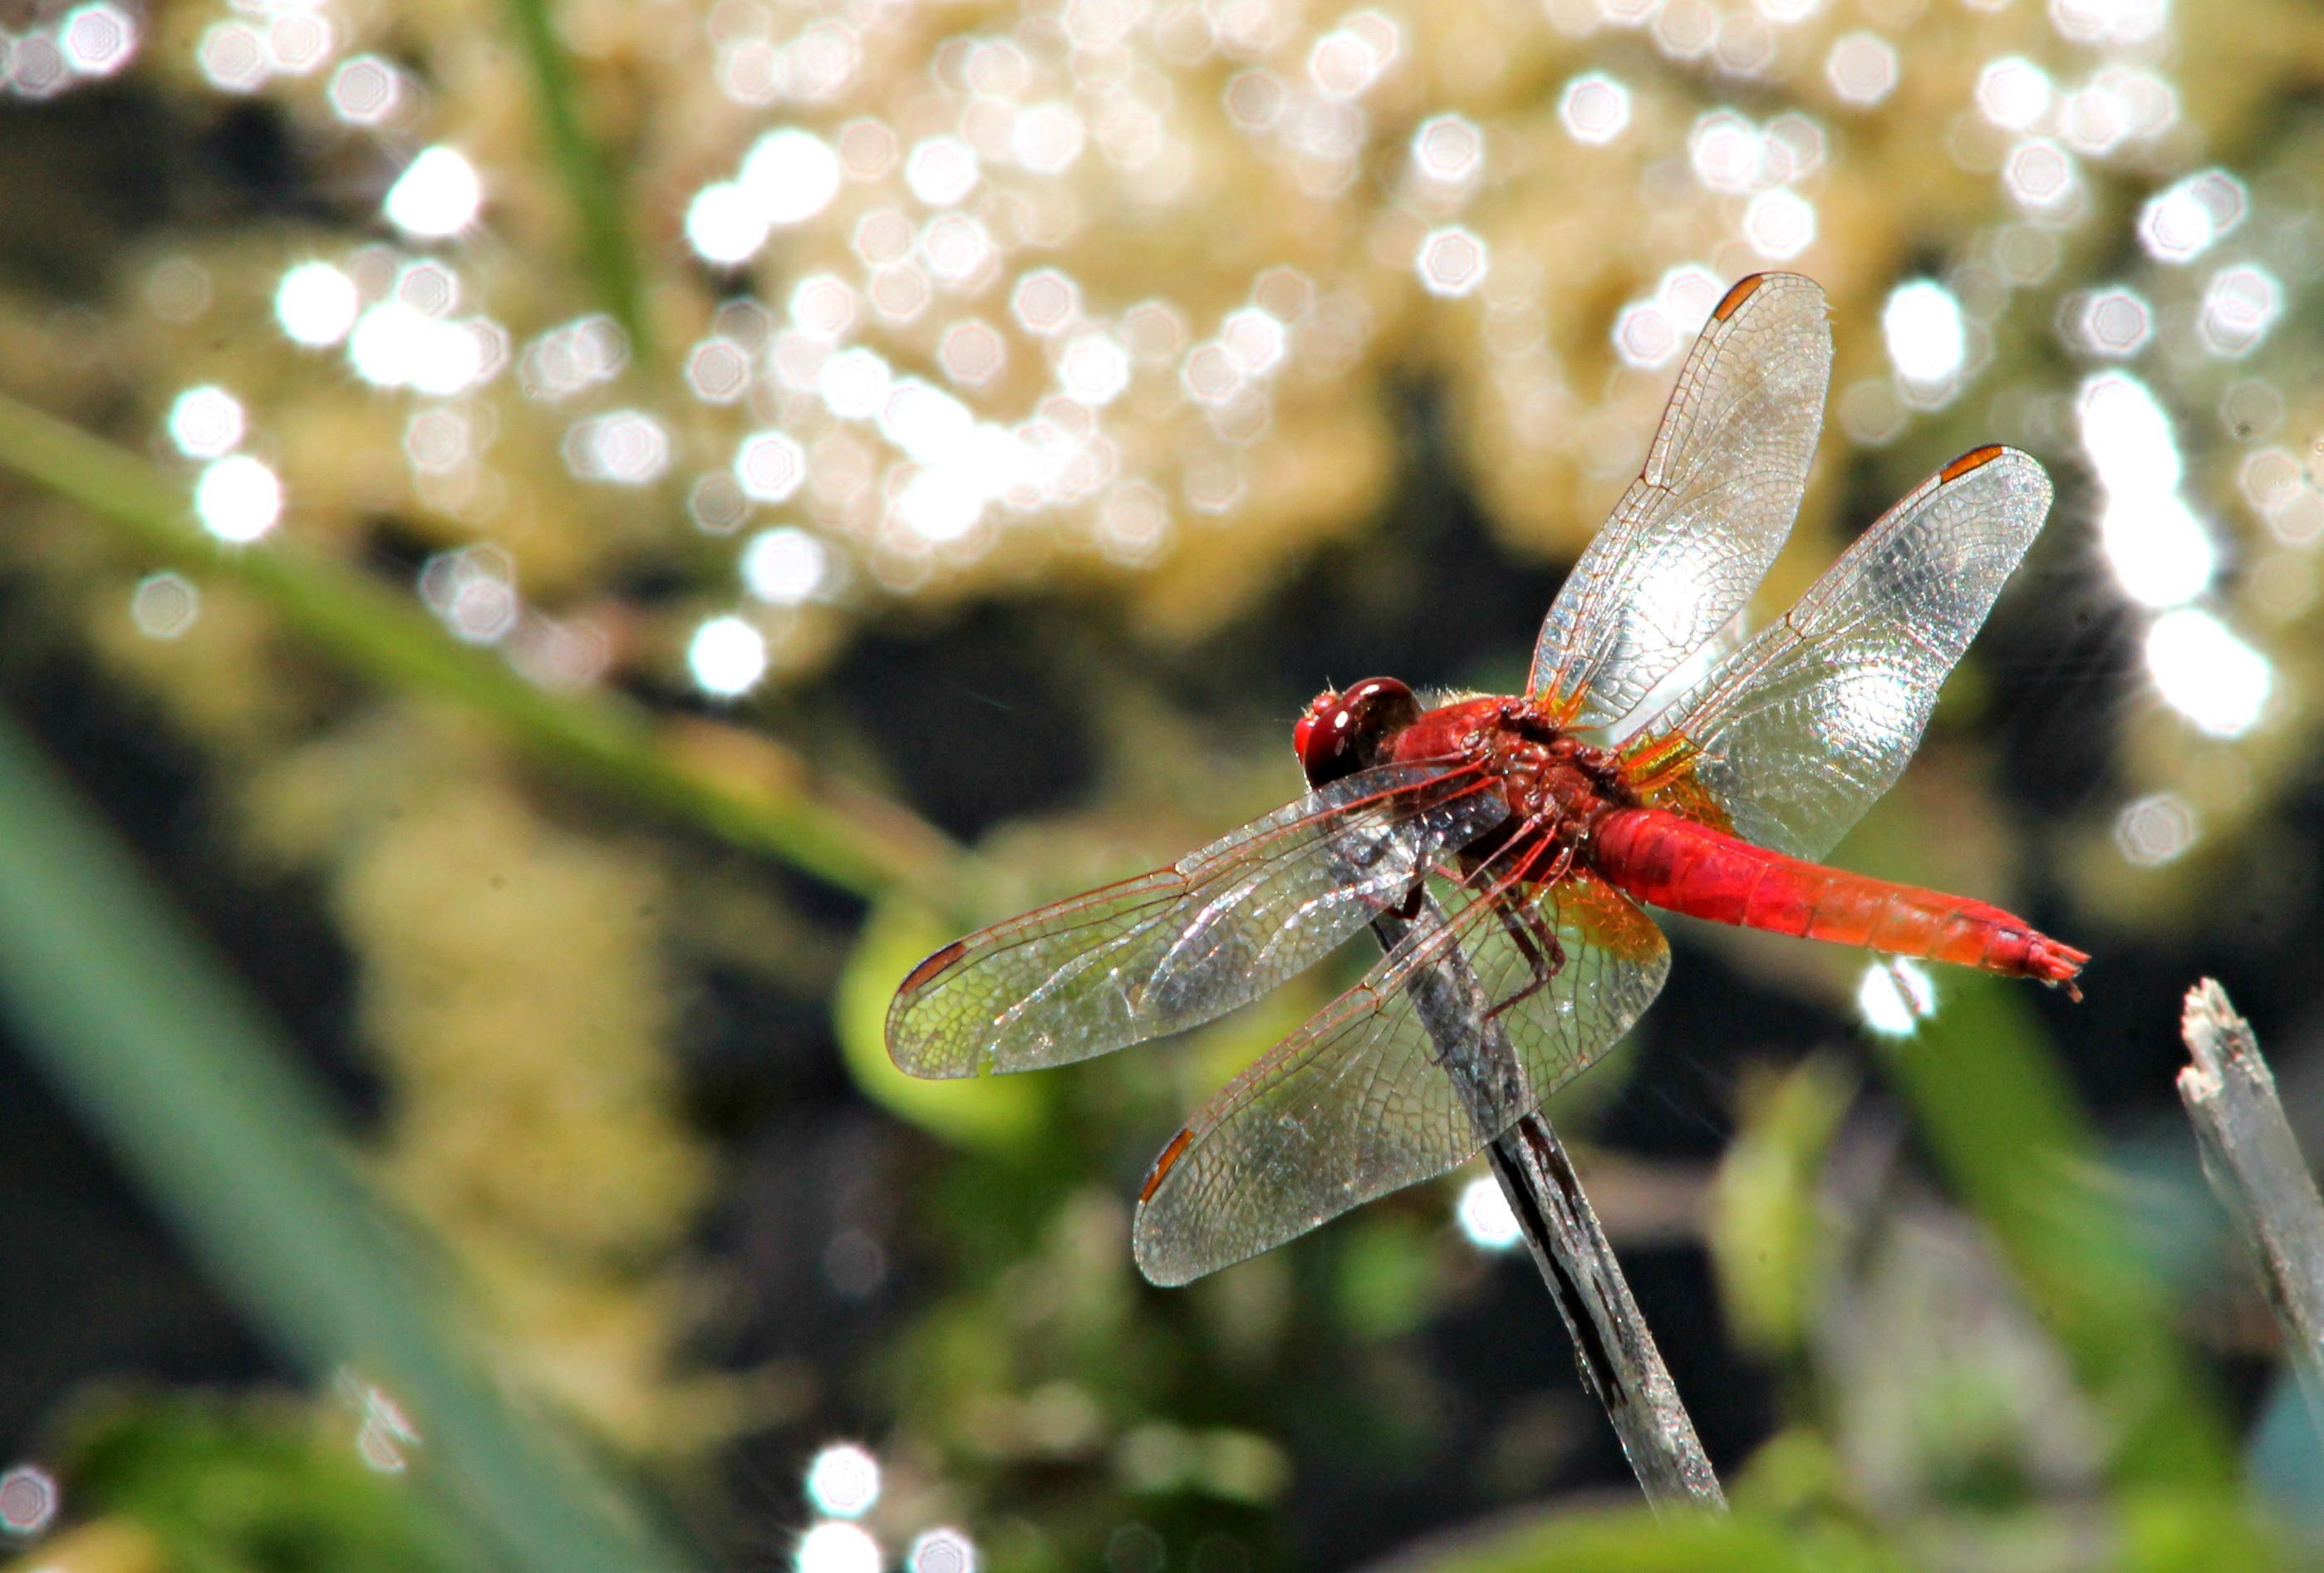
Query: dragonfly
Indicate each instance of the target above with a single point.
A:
(1528, 833)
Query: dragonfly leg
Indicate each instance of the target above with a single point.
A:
(1535, 938)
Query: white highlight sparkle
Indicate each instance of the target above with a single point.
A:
(728, 657)
(1927, 341)
(1595, 108)
(627, 448)
(1484, 1216)
(942, 1549)
(725, 224)
(1451, 262)
(941, 171)
(769, 466)
(1896, 996)
(786, 567)
(437, 195)
(2180, 222)
(205, 422)
(2160, 552)
(2015, 94)
(839, 1548)
(316, 304)
(792, 175)
(2207, 674)
(2240, 306)
(843, 1481)
(238, 499)
(1861, 69)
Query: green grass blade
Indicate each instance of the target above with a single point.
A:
(588, 179)
(181, 1072)
(745, 789)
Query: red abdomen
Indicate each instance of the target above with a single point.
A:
(1672, 862)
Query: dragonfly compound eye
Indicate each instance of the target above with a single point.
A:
(1344, 733)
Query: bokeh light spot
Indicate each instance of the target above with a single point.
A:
(1861, 69)
(2155, 829)
(1484, 1216)
(1896, 996)
(727, 657)
(316, 304)
(625, 447)
(2240, 305)
(792, 175)
(238, 499)
(367, 90)
(29, 1500)
(437, 195)
(1451, 262)
(1595, 108)
(839, 1548)
(725, 224)
(2207, 674)
(2181, 221)
(786, 567)
(942, 1549)
(1928, 342)
(2115, 323)
(973, 353)
(1779, 224)
(205, 422)
(843, 1481)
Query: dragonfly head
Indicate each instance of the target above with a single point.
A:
(1347, 730)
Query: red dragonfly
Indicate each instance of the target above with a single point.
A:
(1533, 827)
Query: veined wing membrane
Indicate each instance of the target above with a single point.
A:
(1362, 1101)
(1802, 728)
(1184, 945)
(1694, 534)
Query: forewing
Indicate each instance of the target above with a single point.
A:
(1184, 945)
(1360, 1101)
(1694, 534)
(1804, 728)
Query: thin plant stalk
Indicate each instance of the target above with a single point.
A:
(2256, 1169)
(1612, 1344)
(740, 786)
(589, 177)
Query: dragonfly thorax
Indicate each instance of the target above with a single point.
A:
(1557, 786)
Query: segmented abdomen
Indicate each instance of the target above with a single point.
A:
(1669, 861)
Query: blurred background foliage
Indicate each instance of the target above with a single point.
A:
(553, 549)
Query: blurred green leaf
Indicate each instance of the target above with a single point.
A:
(1991, 1099)
(589, 181)
(1387, 1276)
(1633, 1542)
(181, 1071)
(246, 1486)
(1766, 1238)
(734, 784)
(991, 1113)
(1996, 1110)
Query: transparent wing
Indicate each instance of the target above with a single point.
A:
(1184, 945)
(1360, 1101)
(1803, 729)
(1695, 533)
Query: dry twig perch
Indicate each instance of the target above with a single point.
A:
(1612, 1344)
(2256, 1169)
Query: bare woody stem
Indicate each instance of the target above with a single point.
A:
(1612, 1344)
(2254, 1167)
